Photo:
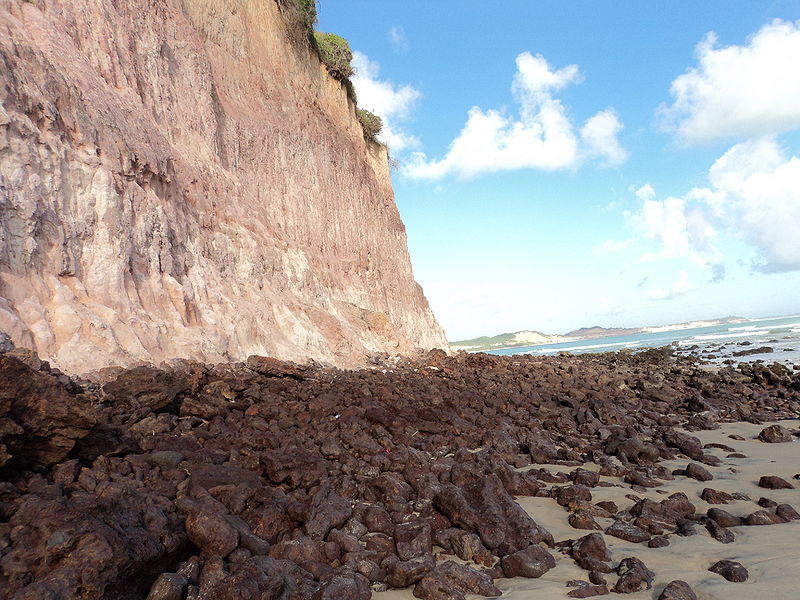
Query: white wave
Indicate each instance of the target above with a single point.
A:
(745, 328)
(795, 330)
(727, 336)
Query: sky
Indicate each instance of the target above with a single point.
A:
(564, 164)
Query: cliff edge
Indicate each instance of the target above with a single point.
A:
(179, 179)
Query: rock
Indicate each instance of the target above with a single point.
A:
(659, 541)
(6, 345)
(773, 482)
(582, 519)
(211, 533)
(591, 553)
(575, 495)
(40, 420)
(697, 472)
(146, 387)
(715, 497)
(787, 512)
(351, 586)
(766, 503)
(677, 590)
(719, 533)
(413, 540)
(67, 471)
(533, 561)
(730, 570)
(775, 434)
(401, 574)
(588, 591)
(468, 546)
(486, 508)
(328, 511)
(451, 581)
(723, 517)
(168, 586)
(584, 477)
(165, 459)
(628, 532)
(763, 517)
(633, 576)
(377, 520)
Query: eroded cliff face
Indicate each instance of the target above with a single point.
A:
(177, 179)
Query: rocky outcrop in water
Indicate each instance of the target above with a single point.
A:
(182, 179)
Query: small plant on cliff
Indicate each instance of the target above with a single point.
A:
(370, 123)
(335, 53)
(301, 16)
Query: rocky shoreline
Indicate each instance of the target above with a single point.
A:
(273, 480)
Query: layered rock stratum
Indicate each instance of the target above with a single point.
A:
(180, 179)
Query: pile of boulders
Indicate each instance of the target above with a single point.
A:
(268, 479)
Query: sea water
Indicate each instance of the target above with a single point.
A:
(715, 343)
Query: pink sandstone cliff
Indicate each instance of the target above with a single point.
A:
(177, 179)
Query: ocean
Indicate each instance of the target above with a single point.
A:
(714, 344)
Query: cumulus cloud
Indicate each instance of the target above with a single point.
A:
(542, 136)
(391, 103)
(739, 91)
(600, 136)
(753, 194)
(760, 186)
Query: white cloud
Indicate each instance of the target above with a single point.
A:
(600, 136)
(760, 185)
(543, 137)
(753, 194)
(646, 192)
(389, 102)
(739, 91)
(398, 39)
(680, 288)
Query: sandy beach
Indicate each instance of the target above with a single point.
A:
(770, 553)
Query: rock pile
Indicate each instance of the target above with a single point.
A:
(275, 480)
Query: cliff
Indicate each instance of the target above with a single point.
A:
(179, 179)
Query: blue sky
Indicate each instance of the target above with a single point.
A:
(565, 164)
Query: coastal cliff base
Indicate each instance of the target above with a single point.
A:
(445, 475)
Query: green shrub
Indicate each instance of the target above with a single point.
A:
(335, 54)
(301, 16)
(370, 123)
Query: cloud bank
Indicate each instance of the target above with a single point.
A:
(739, 91)
(753, 194)
(542, 136)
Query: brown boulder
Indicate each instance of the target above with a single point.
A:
(773, 482)
(40, 419)
(451, 581)
(633, 576)
(486, 508)
(534, 561)
(212, 533)
(677, 590)
(775, 434)
(730, 570)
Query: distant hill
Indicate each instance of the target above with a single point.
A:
(535, 338)
(596, 332)
(507, 340)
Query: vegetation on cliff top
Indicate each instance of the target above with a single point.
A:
(334, 52)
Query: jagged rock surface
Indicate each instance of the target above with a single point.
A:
(323, 483)
(178, 179)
